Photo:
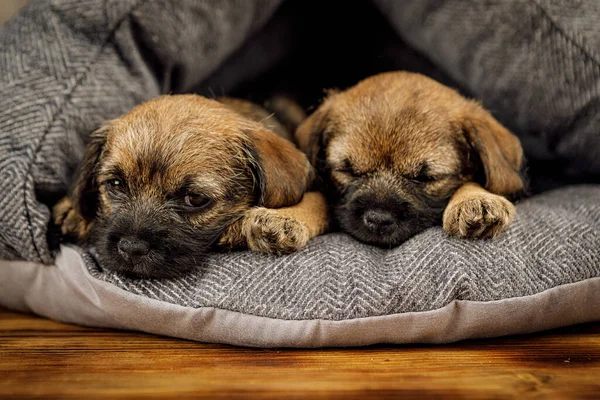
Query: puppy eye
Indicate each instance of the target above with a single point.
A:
(196, 201)
(348, 168)
(422, 175)
(114, 185)
(423, 178)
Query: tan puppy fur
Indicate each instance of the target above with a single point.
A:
(400, 153)
(161, 185)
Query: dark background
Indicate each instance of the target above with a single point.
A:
(312, 45)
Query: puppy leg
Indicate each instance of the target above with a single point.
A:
(233, 237)
(71, 223)
(279, 230)
(285, 230)
(475, 213)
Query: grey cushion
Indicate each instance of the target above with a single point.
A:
(67, 65)
(544, 273)
(554, 241)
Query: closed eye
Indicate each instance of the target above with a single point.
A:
(347, 168)
(422, 175)
(424, 178)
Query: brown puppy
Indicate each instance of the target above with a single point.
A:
(161, 185)
(400, 153)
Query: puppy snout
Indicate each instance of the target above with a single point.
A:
(132, 248)
(379, 221)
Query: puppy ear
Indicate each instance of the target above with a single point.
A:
(281, 171)
(84, 193)
(499, 150)
(311, 135)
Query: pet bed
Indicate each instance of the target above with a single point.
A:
(67, 65)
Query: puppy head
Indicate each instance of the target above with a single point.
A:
(160, 184)
(395, 147)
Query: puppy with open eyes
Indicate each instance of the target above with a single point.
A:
(179, 175)
(401, 153)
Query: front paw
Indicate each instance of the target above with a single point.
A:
(480, 216)
(268, 231)
(72, 225)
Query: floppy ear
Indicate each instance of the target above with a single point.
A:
(499, 150)
(311, 136)
(281, 170)
(76, 212)
(84, 193)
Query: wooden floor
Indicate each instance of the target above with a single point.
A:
(45, 359)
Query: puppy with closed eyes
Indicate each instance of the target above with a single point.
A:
(401, 153)
(179, 175)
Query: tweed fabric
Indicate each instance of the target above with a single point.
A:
(554, 241)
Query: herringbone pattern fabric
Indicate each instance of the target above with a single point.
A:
(554, 241)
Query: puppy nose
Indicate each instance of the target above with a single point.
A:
(379, 221)
(132, 248)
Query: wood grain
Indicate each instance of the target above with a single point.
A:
(9, 7)
(46, 359)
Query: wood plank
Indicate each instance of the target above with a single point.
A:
(42, 358)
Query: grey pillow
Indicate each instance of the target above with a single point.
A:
(543, 273)
(67, 65)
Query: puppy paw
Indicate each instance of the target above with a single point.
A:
(268, 231)
(484, 215)
(71, 223)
